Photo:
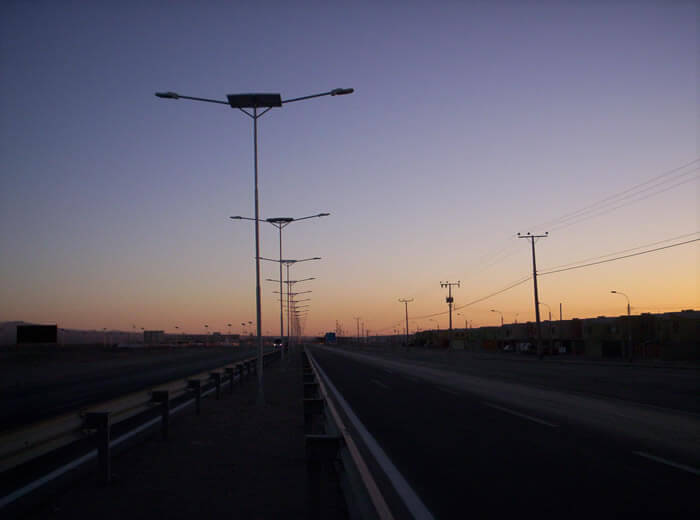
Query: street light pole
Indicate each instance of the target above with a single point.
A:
(255, 101)
(629, 324)
(280, 223)
(499, 312)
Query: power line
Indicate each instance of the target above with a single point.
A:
(609, 199)
(620, 257)
(595, 209)
(623, 251)
(479, 300)
(603, 211)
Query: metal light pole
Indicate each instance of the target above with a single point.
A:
(629, 323)
(280, 223)
(290, 283)
(256, 101)
(499, 312)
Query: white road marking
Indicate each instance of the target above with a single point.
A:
(676, 465)
(380, 384)
(412, 501)
(522, 415)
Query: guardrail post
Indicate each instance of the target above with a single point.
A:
(100, 421)
(216, 376)
(321, 451)
(230, 372)
(196, 385)
(163, 397)
(312, 408)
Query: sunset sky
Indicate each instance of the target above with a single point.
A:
(469, 123)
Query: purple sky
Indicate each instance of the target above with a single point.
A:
(469, 123)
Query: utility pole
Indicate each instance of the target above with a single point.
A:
(406, 302)
(449, 298)
(358, 326)
(532, 238)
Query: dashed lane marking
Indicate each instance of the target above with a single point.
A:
(521, 415)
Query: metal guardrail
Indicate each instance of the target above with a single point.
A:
(95, 424)
(331, 447)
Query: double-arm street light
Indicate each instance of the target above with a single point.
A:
(256, 101)
(280, 223)
(629, 323)
(290, 283)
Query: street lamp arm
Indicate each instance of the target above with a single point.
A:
(238, 217)
(334, 92)
(312, 216)
(174, 95)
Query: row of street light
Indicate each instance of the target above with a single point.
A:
(260, 103)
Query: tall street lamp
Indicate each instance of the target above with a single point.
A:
(255, 101)
(290, 283)
(499, 312)
(287, 262)
(629, 323)
(502, 333)
(280, 223)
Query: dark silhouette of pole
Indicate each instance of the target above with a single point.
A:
(629, 324)
(280, 223)
(532, 238)
(449, 298)
(255, 101)
(358, 326)
(406, 302)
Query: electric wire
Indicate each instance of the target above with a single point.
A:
(622, 251)
(619, 257)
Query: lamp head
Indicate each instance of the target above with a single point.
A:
(342, 91)
(168, 95)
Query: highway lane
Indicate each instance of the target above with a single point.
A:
(469, 453)
(28, 404)
(662, 386)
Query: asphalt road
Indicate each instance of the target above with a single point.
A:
(486, 445)
(655, 385)
(96, 382)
